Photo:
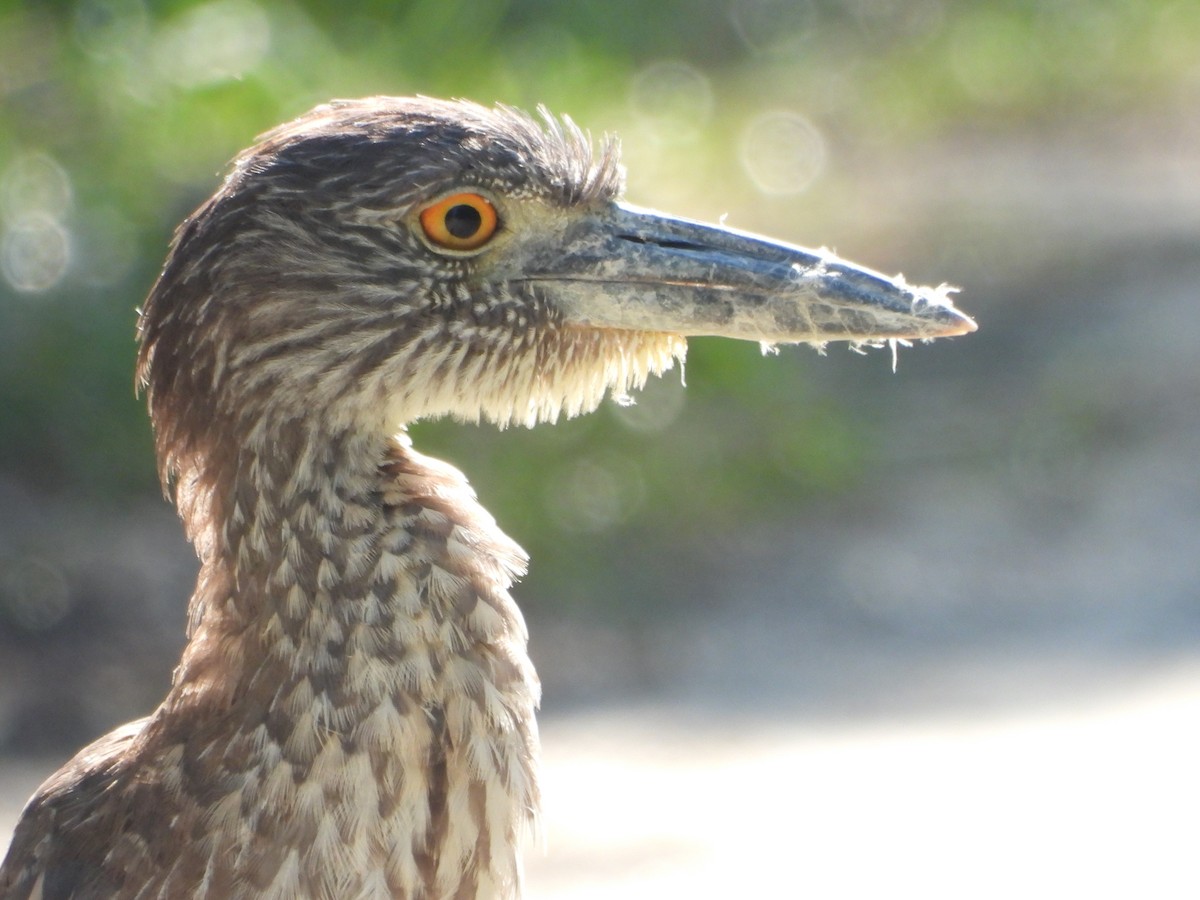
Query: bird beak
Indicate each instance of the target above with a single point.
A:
(629, 268)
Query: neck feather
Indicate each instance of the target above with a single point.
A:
(356, 657)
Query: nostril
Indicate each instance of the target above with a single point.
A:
(666, 243)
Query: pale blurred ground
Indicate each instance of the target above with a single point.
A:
(1089, 797)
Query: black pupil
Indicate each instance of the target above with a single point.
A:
(463, 221)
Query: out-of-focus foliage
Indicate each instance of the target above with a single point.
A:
(117, 117)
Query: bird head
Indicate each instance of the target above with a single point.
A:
(383, 260)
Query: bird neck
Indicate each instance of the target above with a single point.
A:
(352, 629)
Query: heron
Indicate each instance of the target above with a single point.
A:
(353, 714)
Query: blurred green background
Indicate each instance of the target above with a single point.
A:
(1008, 524)
(805, 530)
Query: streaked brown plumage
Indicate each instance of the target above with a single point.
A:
(353, 715)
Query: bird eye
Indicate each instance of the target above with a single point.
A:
(459, 222)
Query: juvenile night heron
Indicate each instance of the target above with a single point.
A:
(353, 715)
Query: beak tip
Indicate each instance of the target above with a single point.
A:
(954, 323)
(946, 319)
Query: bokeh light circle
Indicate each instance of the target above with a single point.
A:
(782, 152)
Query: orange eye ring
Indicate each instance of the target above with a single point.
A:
(463, 221)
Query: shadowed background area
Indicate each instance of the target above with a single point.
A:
(938, 629)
